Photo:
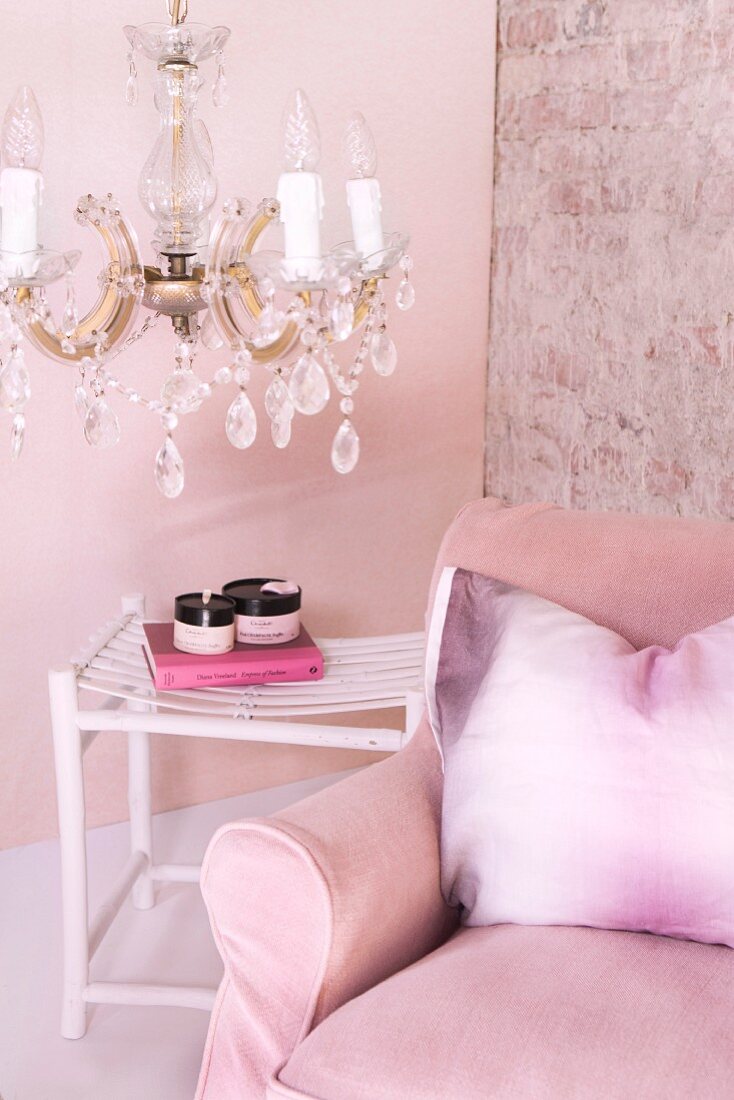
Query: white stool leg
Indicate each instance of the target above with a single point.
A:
(138, 785)
(141, 821)
(70, 793)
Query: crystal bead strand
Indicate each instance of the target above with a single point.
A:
(405, 296)
(81, 397)
(182, 392)
(15, 392)
(383, 353)
(17, 436)
(346, 445)
(70, 316)
(341, 317)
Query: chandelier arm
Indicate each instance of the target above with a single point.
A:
(232, 283)
(114, 313)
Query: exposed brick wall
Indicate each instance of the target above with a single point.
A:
(611, 380)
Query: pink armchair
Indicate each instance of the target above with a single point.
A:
(347, 976)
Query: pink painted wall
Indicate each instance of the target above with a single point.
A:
(80, 527)
(611, 338)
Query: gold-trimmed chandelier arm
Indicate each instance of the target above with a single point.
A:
(233, 290)
(113, 315)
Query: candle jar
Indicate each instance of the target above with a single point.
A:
(268, 611)
(204, 623)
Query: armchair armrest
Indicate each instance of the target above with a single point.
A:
(317, 904)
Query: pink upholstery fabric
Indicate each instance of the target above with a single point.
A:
(651, 579)
(319, 904)
(512, 1013)
(316, 905)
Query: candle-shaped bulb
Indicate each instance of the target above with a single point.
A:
(22, 131)
(302, 144)
(359, 148)
(363, 191)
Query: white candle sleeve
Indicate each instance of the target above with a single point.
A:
(20, 199)
(365, 207)
(301, 199)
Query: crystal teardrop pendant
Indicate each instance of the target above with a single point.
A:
(210, 338)
(17, 435)
(181, 391)
(405, 297)
(15, 385)
(131, 88)
(309, 386)
(281, 432)
(383, 353)
(219, 92)
(81, 402)
(341, 320)
(278, 404)
(169, 469)
(241, 423)
(345, 448)
(70, 317)
(101, 426)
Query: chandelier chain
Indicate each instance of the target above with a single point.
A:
(149, 323)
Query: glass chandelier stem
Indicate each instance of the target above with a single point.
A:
(177, 185)
(176, 134)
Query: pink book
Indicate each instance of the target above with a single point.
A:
(172, 670)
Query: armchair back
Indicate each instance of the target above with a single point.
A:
(652, 579)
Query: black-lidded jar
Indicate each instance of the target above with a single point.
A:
(204, 623)
(267, 610)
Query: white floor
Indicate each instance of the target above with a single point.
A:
(127, 1053)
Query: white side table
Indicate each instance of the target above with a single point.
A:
(360, 674)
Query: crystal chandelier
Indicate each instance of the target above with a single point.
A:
(287, 312)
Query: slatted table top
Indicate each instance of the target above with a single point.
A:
(359, 674)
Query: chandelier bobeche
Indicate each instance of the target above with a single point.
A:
(286, 311)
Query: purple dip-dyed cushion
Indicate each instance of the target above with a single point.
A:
(585, 782)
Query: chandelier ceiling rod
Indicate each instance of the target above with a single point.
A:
(174, 10)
